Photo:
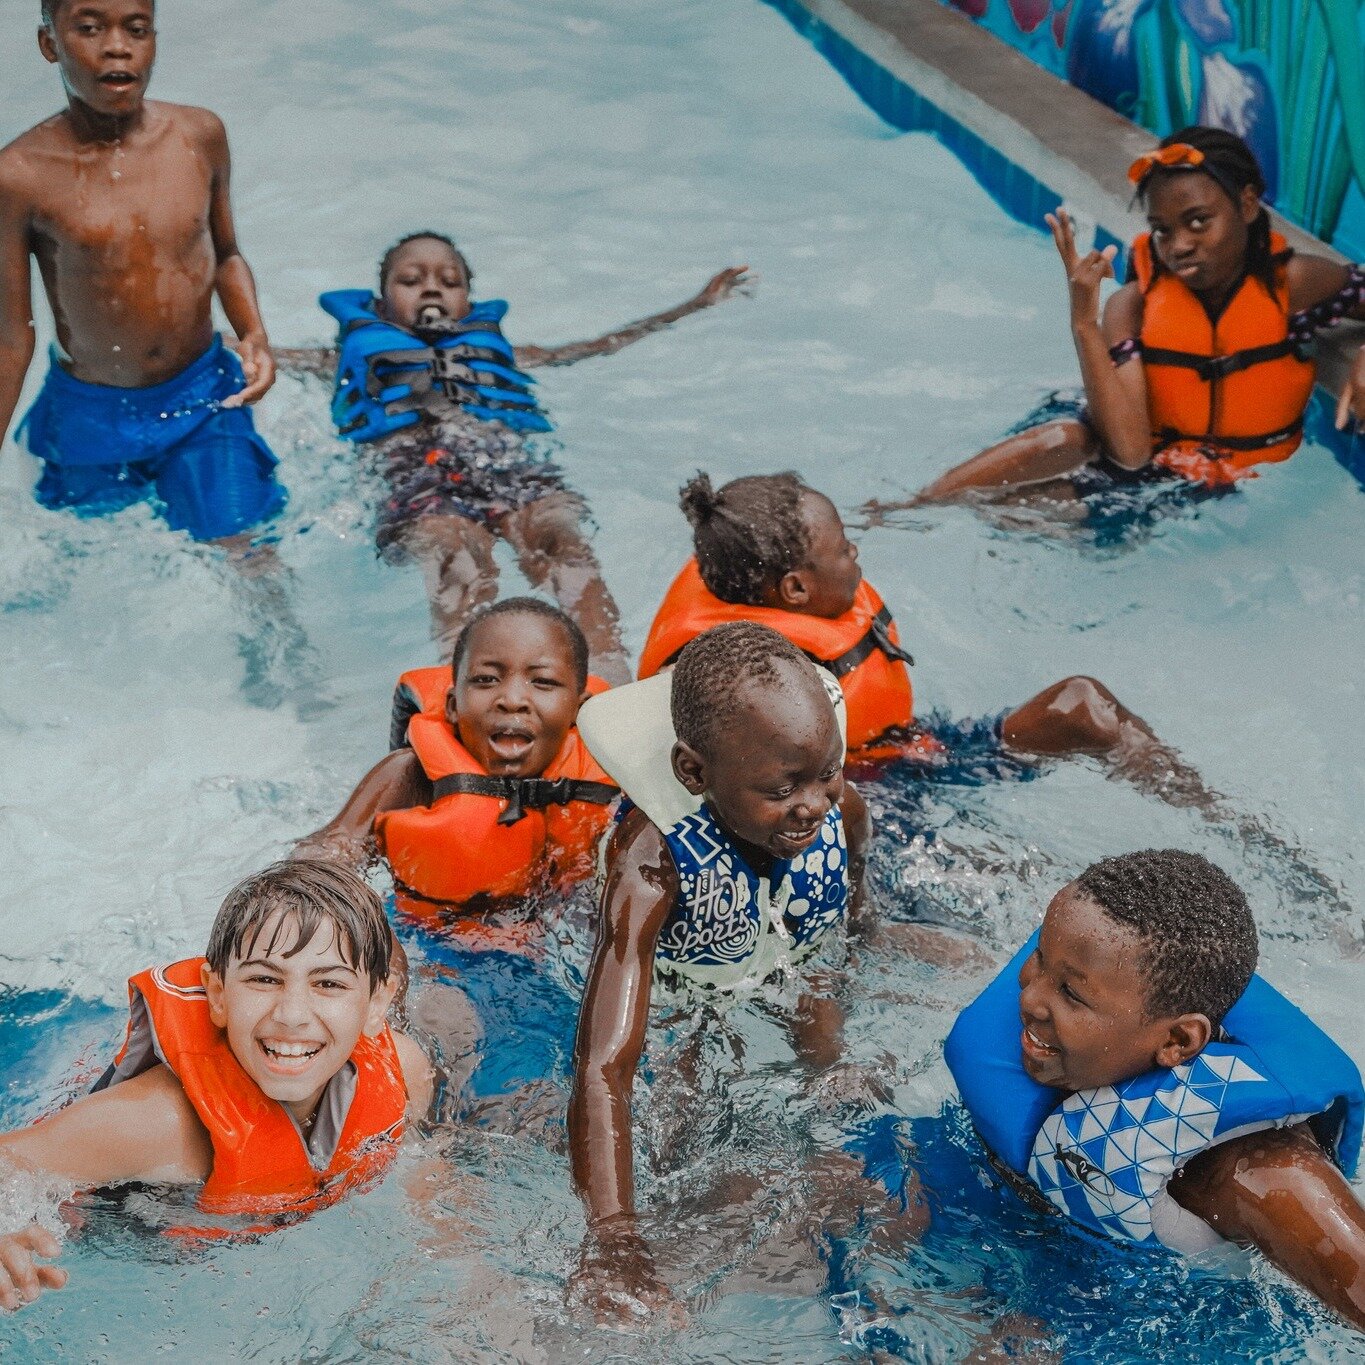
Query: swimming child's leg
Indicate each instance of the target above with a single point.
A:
(1080, 715)
(1039, 455)
(547, 535)
(456, 555)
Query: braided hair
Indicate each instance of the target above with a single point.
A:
(1232, 166)
(747, 534)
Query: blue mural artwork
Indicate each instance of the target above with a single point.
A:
(1288, 75)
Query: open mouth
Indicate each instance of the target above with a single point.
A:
(511, 745)
(1035, 1048)
(431, 312)
(119, 80)
(288, 1057)
(797, 840)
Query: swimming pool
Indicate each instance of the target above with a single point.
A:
(599, 159)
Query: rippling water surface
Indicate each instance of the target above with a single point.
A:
(599, 159)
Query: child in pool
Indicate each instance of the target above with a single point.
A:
(1200, 367)
(489, 793)
(770, 548)
(428, 377)
(124, 203)
(1160, 1092)
(743, 851)
(264, 1072)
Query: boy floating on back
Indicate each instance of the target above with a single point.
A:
(125, 205)
(425, 377)
(264, 1073)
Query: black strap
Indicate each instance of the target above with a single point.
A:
(1214, 444)
(525, 793)
(1211, 367)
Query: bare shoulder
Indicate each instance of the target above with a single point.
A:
(27, 159)
(1123, 312)
(201, 125)
(1313, 279)
(642, 881)
(419, 1076)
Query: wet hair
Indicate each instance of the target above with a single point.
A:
(713, 668)
(528, 606)
(1232, 166)
(386, 264)
(301, 895)
(1197, 932)
(746, 534)
(50, 9)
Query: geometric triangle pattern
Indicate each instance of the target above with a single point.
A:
(1105, 1156)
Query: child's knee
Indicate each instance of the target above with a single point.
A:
(1079, 714)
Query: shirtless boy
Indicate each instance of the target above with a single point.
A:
(124, 204)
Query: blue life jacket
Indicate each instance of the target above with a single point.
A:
(1105, 1157)
(730, 926)
(389, 378)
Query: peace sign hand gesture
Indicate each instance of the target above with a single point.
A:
(1084, 273)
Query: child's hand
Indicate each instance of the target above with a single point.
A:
(718, 287)
(1352, 400)
(21, 1280)
(259, 367)
(617, 1283)
(1084, 273)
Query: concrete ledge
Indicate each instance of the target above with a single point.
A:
(1032, 140)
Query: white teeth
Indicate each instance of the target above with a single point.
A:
(291, 1049)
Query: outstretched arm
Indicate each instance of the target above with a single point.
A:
(642, 884)
(142, 1129)
(718, 287)
(1279, 1191)
(234, 282)
(396, 782)
(16, 296)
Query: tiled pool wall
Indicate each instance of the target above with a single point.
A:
(1019, 193)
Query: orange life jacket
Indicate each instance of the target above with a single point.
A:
(861, 648)
(261, 1164)
(1222, 396)
(484, 835)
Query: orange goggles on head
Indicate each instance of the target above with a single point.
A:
(1174, 157)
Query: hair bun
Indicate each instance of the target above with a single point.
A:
(698, 500)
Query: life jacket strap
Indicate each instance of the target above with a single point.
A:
(1218, 446)
(878, 637)
(1211, 367)
(525, 793)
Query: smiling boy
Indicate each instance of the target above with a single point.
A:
(124, 203)
(734, 865)
(489, 793)
(264, 1072)
(1131, 1067)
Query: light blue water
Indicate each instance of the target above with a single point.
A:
(599, 159)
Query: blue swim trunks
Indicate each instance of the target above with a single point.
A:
(105, 448)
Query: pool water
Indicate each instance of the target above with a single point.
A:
(599, 160)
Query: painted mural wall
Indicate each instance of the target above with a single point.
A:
(1288, 75)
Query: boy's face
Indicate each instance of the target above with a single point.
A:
(830, 576)
(517, 695)
(292, 1022)
(776, 771)
(105, 50)
(1198, 232)
(1083, 1003)
(426, 280)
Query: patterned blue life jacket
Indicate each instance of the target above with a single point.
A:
(389, 378)
(731, 927)
(1105, 1157)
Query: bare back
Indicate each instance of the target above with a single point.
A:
(124, 234)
